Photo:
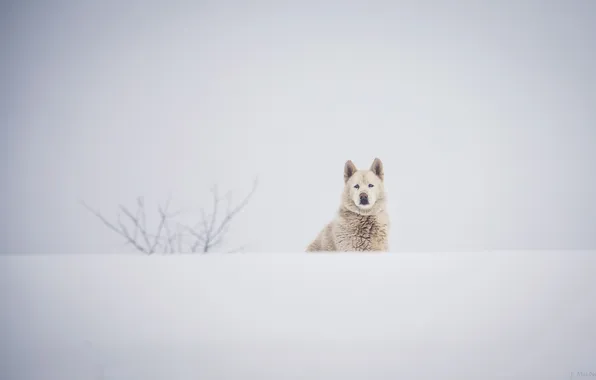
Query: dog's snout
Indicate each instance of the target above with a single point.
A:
(363, 199)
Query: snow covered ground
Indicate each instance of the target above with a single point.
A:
(478, 315)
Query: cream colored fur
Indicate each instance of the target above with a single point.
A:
(358, 227)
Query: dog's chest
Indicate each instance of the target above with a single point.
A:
(368, 233)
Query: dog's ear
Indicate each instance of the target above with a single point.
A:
(349, 170)
(377, 168)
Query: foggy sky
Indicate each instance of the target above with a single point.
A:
(483, 115)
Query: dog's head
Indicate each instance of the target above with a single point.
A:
(364, 190)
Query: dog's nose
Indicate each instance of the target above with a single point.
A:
(363, 198)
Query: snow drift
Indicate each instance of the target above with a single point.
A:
(482, 315)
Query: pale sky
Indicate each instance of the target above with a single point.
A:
(483, 115)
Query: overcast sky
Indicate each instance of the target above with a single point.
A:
(483, 115)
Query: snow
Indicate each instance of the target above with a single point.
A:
(472, 315)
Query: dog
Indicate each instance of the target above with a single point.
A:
(362, 222)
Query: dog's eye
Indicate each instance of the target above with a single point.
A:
(356, 186)
(370, 185)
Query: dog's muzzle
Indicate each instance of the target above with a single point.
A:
(363, 199)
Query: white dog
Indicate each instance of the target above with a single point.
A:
(362, 223)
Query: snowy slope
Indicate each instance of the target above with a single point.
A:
(522, 315)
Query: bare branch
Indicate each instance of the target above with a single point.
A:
(138, 224)
(170, 237)
(209, 232)
(120, 231)
(138, 215)
(158, 235)
(235, 211)
(141, 203)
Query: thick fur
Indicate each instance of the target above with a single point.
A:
(358, 227)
